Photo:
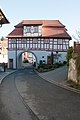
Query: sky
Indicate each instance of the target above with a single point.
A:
(67, 11)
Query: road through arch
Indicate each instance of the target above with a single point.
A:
(25, 56)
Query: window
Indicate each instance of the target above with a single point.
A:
(59, 41)
(55, 41)
(60, 47)
(65, 42)
(36, 29)
(64, 47)
(28, 29)
(23, 41)
(50, 46)
(42, 56)
(13, 41)
(10, 46)
(46, 40)
(38, 45)
(55, 46)
(23, 45)
(35, 40)
(41, 45)
(30, 45)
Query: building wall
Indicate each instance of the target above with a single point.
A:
(12, 55)
(60, 56)
(40, 55)
(40, 37)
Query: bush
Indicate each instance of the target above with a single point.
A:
(69, 54)
(45, 66)
(64, 62)
(48, 67)
(25, 61)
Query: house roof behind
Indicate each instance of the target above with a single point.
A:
(4, 20)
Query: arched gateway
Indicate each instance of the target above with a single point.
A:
(20, 56)
(41, 37)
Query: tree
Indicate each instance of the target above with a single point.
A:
(2, 38)
(77, 35)
(69, 54)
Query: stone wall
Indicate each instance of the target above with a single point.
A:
(73, 71)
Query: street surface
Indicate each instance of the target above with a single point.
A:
(12, 105)
(46, 100)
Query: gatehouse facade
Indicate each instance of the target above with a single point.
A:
(40, 37)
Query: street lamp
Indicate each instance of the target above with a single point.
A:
(4, 65)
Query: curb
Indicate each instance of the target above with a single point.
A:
(60, 85)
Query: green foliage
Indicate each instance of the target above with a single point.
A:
(48, 67)
(25, 61)
(69, 54)
(45, 66)
(2, 38)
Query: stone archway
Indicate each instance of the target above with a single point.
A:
(19, 59)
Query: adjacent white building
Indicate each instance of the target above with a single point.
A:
(40, 37)
(4, 51)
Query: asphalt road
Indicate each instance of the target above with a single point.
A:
(12, 105)
(46, 100)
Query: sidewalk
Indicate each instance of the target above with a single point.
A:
(4, 74)
(58, 77)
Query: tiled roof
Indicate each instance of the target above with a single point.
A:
(55, 32)
(50, 28)
(29, 22)
(55, 23)
(17, 32)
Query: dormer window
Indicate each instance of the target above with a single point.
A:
(32, 30)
